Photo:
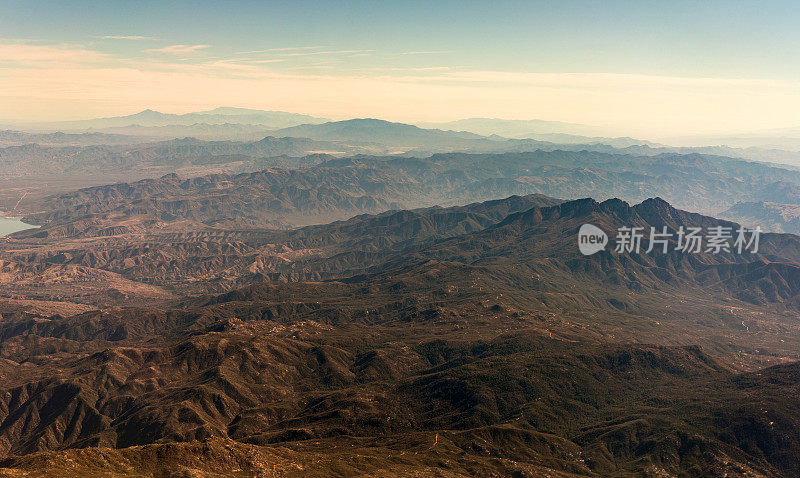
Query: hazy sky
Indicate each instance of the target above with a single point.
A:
(639, 67)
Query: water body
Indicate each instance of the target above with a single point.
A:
(12, 224)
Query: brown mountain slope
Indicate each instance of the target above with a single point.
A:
(304, 388)
(465, 341)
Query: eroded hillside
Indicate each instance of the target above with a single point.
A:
(471, 339)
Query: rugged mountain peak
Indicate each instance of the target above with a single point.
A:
(657, 212)
(613, 212)
(615, 206)
(656, 202)
(147, 114)
(537, 215)
(578, 207)
(171, 177)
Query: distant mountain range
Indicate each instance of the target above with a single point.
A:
(51, 163)
(319, 188)
(515, 128)
(269, 119)
(787, 139)
(18, 138)
(469, 135)
(380, 137)
(244, 124)
(377, 131)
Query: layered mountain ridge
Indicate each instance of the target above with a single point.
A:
(318, 188)
(476, 336)
(187, 307)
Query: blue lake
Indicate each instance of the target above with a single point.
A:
(12, 224)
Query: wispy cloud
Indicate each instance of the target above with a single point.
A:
(327, 52)
(424, 68)
(597, 81)
(45, 81)
(313, 67)
(426, 52)
(176, 49)
(291, 48)
(48, 55)
(296, 48)
(126, 37)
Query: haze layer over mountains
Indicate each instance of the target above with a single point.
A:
(66, 156)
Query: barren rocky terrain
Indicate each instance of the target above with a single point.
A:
(459, 341)
(345, 305)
